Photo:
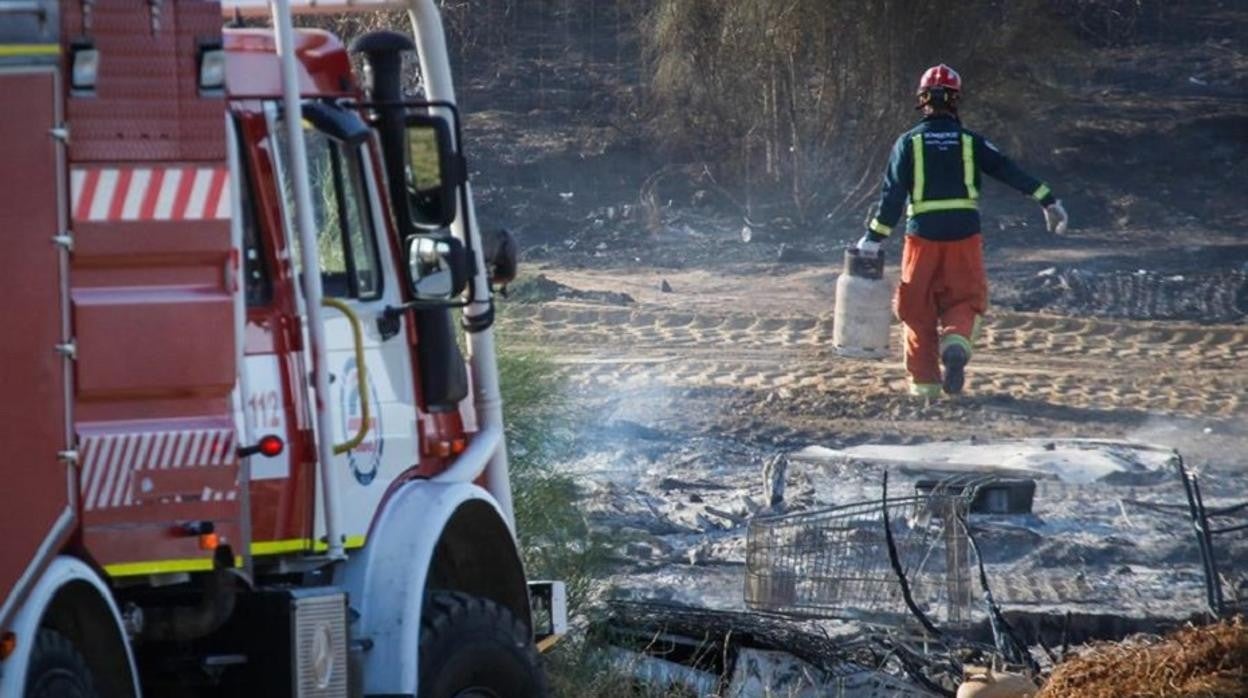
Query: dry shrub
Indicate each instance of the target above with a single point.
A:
(1112, 22)
(1206, 661)
(802, 98)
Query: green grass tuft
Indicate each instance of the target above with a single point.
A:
(555, 536)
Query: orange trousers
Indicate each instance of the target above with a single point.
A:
(941, 300)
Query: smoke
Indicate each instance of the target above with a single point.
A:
(1217, 443)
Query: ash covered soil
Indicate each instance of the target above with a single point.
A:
(696, 344)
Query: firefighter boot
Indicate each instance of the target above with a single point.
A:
(954, 357)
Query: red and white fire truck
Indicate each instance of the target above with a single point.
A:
(252, 429)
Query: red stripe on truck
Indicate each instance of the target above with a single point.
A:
(184, 194)
(119, 194)
(189, 193)
(83, 199)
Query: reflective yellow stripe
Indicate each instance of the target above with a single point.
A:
(878, 227)
(958, 340)
(925, 389)
(299, 545)
(941, 205)
(12, 50)
(1041, 192)
(276, 547)
(351, 542)
(130, 569)
(918, 204)
(916, 143)
(968, 166)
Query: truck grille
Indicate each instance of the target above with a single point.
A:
(320, 637)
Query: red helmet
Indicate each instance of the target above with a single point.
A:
(940, 76)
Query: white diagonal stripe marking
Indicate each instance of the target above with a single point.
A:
(134, 197)
(194, 456)
(223, 447)
(226, 456)
(122, 493)
(199, 194)
(223, 204)
(168, 192)
(89, 449)
(124, 464)
(76, 178)
(120, 445)
(103, 195)
(153, 455)
(179, 458)
(166, 453)
(112, 496)
(104, 451)
(204, 457)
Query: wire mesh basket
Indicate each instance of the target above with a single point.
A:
(835, 563)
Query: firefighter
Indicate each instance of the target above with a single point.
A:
(944, 293)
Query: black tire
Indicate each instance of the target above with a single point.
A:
(475, 648)
(58, 669)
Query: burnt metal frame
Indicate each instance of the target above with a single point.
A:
(867, 586)
(1204, 535)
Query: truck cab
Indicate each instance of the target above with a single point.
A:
(259, 406)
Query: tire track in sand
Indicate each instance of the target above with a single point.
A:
(1092, 364)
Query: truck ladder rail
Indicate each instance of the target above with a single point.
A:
(313, 294)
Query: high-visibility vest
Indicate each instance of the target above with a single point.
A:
(920, 203)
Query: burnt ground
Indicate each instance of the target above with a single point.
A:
(694, 354)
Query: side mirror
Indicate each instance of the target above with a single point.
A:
(437, 267)
(433, 171)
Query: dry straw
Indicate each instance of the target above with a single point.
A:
(1195, 661)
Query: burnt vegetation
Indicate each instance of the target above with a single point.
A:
(798, 102)
(782, 113)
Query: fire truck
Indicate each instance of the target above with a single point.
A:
(253, 432)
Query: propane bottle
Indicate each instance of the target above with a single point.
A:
(983, 682)
(861, 325)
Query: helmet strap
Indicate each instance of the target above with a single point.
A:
(938, 99)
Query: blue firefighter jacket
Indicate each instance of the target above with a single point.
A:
(937, 165)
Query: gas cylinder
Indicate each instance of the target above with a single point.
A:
(981, 682)
(861, 325)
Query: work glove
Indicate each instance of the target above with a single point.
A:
(1055, 218)
(869, 244)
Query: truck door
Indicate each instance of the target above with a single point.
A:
(35, 508)
(371, 386)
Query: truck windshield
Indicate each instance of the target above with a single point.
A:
(344, 227)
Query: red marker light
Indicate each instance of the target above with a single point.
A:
(271, 446)
(268, 447)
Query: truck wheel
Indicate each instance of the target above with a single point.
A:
(57, 669)
(475, 648)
